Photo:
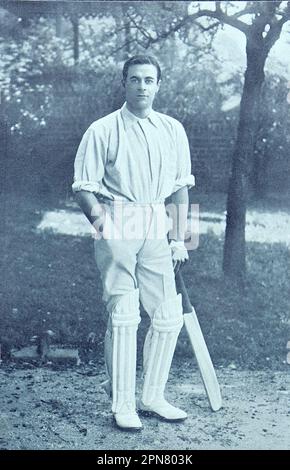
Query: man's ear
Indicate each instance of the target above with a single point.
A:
(123, 82)
(158, 85)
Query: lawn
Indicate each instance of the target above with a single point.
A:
(50, 281)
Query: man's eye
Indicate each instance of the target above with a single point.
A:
(134, 80)
(148, 82)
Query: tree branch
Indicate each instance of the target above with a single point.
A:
(217, 14)
(274, 32)
(271, 10)
(218, 7)
(208, 28)
(224, 18)
(285, 12)
(171, 30)
(124, 45)
(250, 10)
(140, 28)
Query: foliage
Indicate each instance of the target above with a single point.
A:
(274, 118)
(24, 63)
(45, 92)
(38, 71)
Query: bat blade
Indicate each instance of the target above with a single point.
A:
(203, 359)
(199, 347)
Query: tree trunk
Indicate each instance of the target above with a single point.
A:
(259, 174)
(4, 136)
(127, 35)
(234, 261)
(59, 21)
(3, 157)
(75, 23)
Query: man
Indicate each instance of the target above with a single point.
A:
(129, 162)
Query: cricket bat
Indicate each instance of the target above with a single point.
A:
(199, 347)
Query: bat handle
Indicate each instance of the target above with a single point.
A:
(181, 289)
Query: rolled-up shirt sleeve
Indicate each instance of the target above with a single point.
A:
(89, 165)
(183, 166)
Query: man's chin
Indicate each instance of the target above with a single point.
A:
(142, 101)
(142, 104)
(139, 107)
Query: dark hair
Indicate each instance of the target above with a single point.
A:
(140, 60)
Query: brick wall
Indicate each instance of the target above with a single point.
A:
(211, 144)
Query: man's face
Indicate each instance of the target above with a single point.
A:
(141, 86)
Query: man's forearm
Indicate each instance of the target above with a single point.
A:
(90, 205)
(180, 200)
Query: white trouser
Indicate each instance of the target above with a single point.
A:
(143, 264)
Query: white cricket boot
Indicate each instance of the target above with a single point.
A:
(158, 352)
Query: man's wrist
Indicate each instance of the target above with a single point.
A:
(176, 243)
(177, 235)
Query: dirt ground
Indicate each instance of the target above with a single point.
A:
(45, 408)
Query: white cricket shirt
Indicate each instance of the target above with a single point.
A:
(126, 158)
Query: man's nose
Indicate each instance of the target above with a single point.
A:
(142, 85)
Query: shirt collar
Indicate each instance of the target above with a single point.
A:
(130, 118)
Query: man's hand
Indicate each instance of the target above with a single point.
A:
(179, 254)
(98, 224)
(105, 226)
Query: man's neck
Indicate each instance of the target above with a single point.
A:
(140, 113)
